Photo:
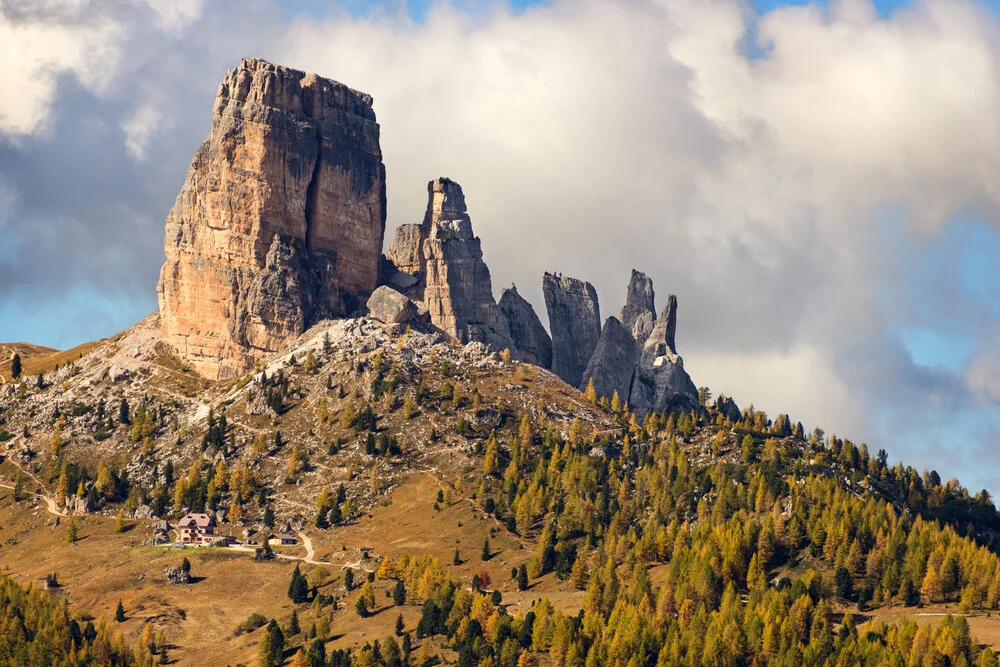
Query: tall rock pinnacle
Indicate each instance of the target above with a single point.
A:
(530, 340)
(280, 219)
(575, 322)
(661, 384)
(639, 313)
(440, 262)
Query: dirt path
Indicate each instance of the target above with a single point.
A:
(310, 552)
(50, 503)
(310, 556)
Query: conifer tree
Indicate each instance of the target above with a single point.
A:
(15, 366)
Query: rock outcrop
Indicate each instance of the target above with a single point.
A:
(530, 339)
(613, 363)
(661, 383)
(575, 322)
(639, 313)
(280, 220)
(389, 306)
(440, 263)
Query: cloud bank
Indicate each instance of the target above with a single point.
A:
(817, 185)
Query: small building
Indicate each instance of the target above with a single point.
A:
(197, 530)
(282, 540)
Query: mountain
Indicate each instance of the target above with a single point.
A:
(461, 487)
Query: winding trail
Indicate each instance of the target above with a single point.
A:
(50, 502)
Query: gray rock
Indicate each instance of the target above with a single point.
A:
(176, 575)
(639, 298)
(661, 384)
(118, 373)
(142, 512)
(575, 321)
(530, 339)
(389, 306)
(669, 321)
(458, 290)
(613, 363)
(728, 408)
(406, 249)
(639, 313)
(642, 328)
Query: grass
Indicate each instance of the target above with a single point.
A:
(36, 359)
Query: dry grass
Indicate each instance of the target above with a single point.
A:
(985, 628)
(36, 359)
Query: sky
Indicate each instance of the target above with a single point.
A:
(818, 183)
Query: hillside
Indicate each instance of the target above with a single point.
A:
(318, 454)
(682, 537)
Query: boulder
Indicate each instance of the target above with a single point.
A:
(176, 575)
(575, 322)
(613, 363)
(530, 339)
(280, 220)
(389, 306)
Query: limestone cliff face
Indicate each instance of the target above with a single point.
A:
(575, 322)
(458, 291)
(612, 365)
(661, 384)
(279, 221)
(530, 340)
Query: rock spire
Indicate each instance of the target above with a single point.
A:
(575, 322)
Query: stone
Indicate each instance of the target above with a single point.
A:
(575, 322)
(661, 384)
(531, 341)
(176, 575)
(669, 321)
(639, 313)
(118, 373)
(728, 408)
(280, 220)
(390, 307)
(613, 363)
(406, 251)
(458, 291)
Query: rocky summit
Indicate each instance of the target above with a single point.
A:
(575, 321)
(441, 262)
(639, 313)
(530, 339)
(280, 219)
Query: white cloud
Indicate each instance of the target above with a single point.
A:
(175, 15)
(140, 128)
(37, 52)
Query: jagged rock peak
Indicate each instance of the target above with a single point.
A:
(639, 313)
(613, 363)
(458, 290)
(575, 322)
(279, 221)
(530, 339)
(446, 211)
(661, 383)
